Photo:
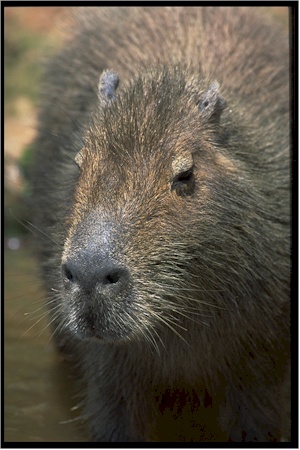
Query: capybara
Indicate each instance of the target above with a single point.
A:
(162, 202)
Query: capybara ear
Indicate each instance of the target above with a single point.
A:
(212, 104)
(79, 158)
(108, 83)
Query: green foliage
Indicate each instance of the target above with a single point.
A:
(25, 162)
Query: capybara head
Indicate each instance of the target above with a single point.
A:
(164, 230)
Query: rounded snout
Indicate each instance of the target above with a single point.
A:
(94, 274)
(91, 264)
(96, 280)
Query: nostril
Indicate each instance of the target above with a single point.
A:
(67, 274)
(112, 278)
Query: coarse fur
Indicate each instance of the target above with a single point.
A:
(162, 192)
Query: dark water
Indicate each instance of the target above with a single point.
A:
(39, 394)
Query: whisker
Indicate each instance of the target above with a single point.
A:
(23, 222)
(168, 324)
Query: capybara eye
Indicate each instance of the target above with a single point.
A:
(183, 174)
(185, 177)
(184, 183)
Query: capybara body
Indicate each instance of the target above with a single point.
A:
(161, 193)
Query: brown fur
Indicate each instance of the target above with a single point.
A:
(170, 267)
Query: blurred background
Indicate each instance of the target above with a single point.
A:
(39, 399)
(40, 402)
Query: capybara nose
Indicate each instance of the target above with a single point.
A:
(103, 277)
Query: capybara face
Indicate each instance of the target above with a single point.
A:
(151, 243)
